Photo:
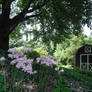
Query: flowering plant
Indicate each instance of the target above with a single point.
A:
(26, 64)
(21, 61)
(47, 60)
(14, 53)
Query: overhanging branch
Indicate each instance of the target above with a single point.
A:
(22, 14)
(21, 17)
(31, 16)
(17, 19)
(27, 6)
(21, 20)
(38, 7)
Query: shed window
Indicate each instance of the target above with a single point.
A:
(87, 49)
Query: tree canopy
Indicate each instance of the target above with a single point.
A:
(55, 17)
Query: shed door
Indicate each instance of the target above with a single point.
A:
(86, 61)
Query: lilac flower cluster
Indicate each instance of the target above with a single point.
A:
(21, 61)
(25, 50)
(24, 64)
(47, 60)
(14, 53)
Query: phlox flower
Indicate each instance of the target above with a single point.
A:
(22, 59)
(14, 53)
(62, 70)
(2, 58)
(24, 64)
(57, 68)
(38, 60)
(30, 61)
(28, 68)
(34, 72)
(47, 60)
(13, 62)
(19, 65)
(25, 50)
(13, 56)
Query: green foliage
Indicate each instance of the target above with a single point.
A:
(75, 43)
(33, 55)
(36, 52)
(15, 37)
(16, 43)
(22, 3)
(44, 74)
(65, 52)
(16, 34)
(2, 53)
(57, 18)
(60, 86)
(3, 87)
(59, 53)
(79, 75)
(18, 77)
(41, 51)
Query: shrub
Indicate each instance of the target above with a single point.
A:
(41, 51)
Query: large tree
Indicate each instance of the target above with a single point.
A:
(55, 16)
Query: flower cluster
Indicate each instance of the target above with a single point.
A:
(21, 61)
(48, 60)
(25, 50)
(24, 64)
(14, 53)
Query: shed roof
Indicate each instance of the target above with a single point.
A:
(81, 49)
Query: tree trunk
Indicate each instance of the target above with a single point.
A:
(4, 36)
(4, 42)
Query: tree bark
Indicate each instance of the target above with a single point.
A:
(4, 40)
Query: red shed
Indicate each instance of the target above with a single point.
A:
(83, 57)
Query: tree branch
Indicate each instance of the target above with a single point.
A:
(37, 7)
(26, 8)
(17, 19)
(31, 16)
(22, 14)
(21, 20)
(21, 17)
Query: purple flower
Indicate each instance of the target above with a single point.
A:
(48, 60)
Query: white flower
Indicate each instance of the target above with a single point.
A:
(2, 58)
(57, 68)
(62, 70)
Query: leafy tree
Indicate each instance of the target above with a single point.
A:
(56, 17)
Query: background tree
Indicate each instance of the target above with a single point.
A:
(55, 17)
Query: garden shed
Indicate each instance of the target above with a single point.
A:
(83, 57)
